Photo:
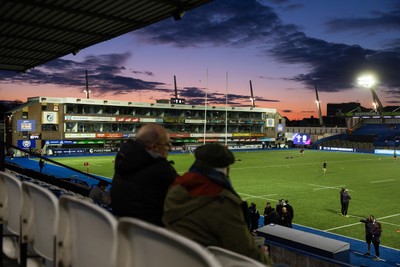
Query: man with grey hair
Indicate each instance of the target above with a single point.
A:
(143, 175)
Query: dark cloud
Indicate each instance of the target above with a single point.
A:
(332, 67)
(378, 21)
(237, 23)
(196, 96)
(287, 111)
(147, 73)
(104, 75)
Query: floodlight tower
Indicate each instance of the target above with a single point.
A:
(321, 122)
(368, 82)
(87, 91)
(252, 98)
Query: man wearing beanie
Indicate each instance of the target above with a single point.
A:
(203, 206)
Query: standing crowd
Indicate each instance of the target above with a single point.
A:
(282, 214)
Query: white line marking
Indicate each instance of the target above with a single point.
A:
(270, 195)
(390, 216)
(321, 187)
(252, 196)
(381, 181)
(343, 226)
(348, 225)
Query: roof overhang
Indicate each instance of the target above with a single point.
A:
(35, 32)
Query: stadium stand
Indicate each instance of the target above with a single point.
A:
(230, 258)
(146, 245)
(87, 234)
(366, 136)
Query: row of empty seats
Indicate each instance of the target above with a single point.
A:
(70, 231)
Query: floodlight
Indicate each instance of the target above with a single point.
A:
(366, 81)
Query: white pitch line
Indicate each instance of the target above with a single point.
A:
(389, 216)
(252, 196)
(392, 224)
(381, 181)
(321, 187)
(343, 226)
(348, 225)
(270, 195)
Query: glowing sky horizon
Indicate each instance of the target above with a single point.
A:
(284, 47)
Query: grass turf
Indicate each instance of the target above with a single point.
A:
(262, 176)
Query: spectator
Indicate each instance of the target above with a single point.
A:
(376, 239)
(203, 206)
(267, 211)
(254, 217)
(346, 202)
(184, 148)
(143, 175)
(272, 217)
(279, 205)
(341, 201)
(369, 227)
(41, 165)
(285, 218)
(289, 208)
(99, 194)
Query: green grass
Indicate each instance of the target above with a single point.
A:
(373, 183)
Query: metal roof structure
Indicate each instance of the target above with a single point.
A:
(33, 32)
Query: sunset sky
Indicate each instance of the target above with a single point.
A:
(284, 47)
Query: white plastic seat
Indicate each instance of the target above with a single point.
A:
(3, 198)
(3, 217)
(39, 219)
(141, 244)
(11, 213)
(13, 203)
(87, 234)
(232, 259)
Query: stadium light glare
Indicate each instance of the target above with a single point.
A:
(366, 81)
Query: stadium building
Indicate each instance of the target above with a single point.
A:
(59, 126)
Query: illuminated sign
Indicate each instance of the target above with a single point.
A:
(301, 139)
(26, 125)
(26, 144)
(280, 128)
(35, 136)
(177, 101)
(49, 117)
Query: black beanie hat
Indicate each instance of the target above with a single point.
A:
(214, 156)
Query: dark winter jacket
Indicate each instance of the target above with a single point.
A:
(209, 213)
(369, 225)
(140, 183)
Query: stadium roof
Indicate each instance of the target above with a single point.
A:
(35, 32)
